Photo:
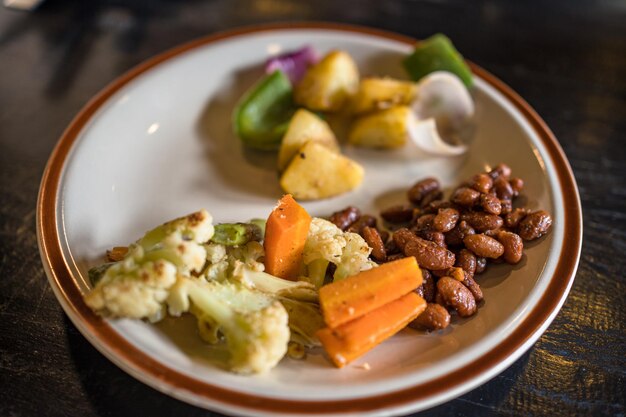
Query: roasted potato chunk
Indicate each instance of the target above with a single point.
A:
(304, 127)
(318, 172)
(329, 84)
(382, 93)
(384, 129)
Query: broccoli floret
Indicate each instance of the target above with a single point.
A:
(136, 286)
(254, 324)
(326, 244)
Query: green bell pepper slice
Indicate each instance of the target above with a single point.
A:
(437, 53)
(262, 116)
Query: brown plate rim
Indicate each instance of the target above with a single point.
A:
(114, 346)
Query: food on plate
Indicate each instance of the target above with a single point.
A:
(268, 289)
(261, 118)
(317, 172)
(328, 85)
(389, 128)
(437, 53)
(349, 341)
(328, 248)
(286, 232)
(304, 127)
(453, 240)
(432, 111)
(350, 298)
(382, 93)
(293, 64)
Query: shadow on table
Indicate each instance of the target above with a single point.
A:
(112, 392)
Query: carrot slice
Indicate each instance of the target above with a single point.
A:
(285, 234)
(350, 298)
(349, 341)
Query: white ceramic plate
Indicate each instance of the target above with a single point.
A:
(157, 143)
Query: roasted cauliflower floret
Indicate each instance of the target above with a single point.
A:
(136, 286)
(254, 324)
(326, 244)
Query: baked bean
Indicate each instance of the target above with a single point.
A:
(457, 296)
(439, 299)
(517, 184)
(504, 191)
(484, 246)
(344, 218)
(425, 222)
(481, 264)
(455, 236)
(506, 206)
(430, 198)
(419, 190)
(535, 225)
(512, 219)
(373, 239)
(490, 204)
(428, 286)
(397, 214)
(437, 237)
(445, 220)
(395, 256)
(465, 196)
(482, 222)
(391, 247)
(363, 221)
(482, 183)
(466, 260)
(428, 254)
(435, 206)
(500, 170)
(434, 317)
(474, 288)
(513, 246)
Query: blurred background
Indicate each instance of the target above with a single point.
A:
(566, 58)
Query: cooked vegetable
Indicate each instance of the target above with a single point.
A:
(437, 53)
(304, 127)
(254, 324)
(234, 234)
(348, 299)
(383, 129)
(442, 96)
(293, 64)
(285, 234)
(329, 84)
(137, 286)
(326, 244)
(318, 172)
(262, 281)
(425, 135)
(382, 93)
(353, 339)
(262, 116)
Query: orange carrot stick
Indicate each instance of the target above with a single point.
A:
(347, 342)
(285, 233)
(350, 298)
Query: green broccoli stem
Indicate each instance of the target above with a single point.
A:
(236, 234)
(317, 272)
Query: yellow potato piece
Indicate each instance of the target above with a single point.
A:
(304, 127)
(383, 129)
(318, 172)
(329, 84)
(382, 93)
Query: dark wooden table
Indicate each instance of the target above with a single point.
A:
(567, 58)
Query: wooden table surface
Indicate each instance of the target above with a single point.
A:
(566, 58)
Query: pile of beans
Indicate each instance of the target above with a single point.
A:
(453, 239)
